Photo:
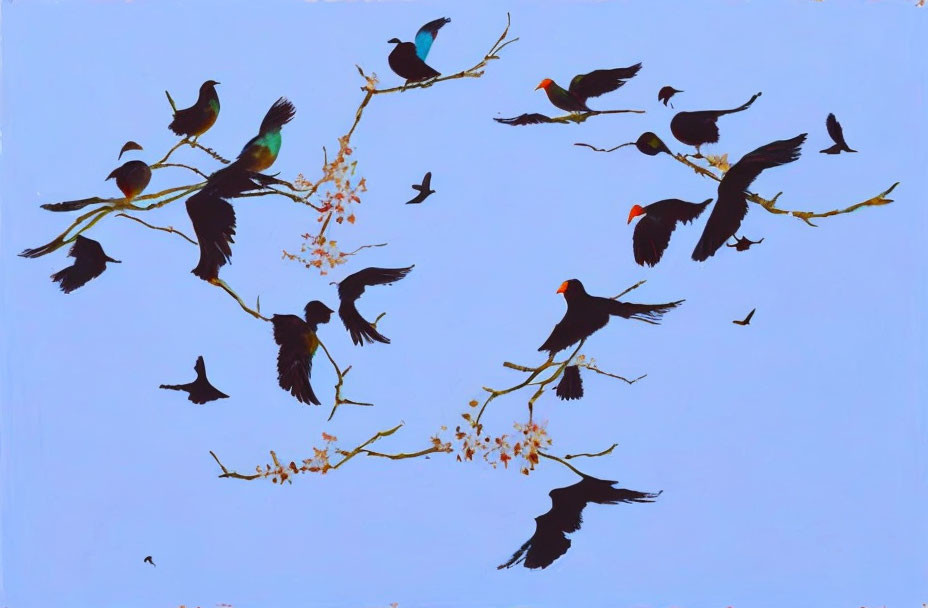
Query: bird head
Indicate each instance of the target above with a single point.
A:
(635, 212)
(393, 41)
(208, 85)
(571, 288)
(317, 313)
(544, 84)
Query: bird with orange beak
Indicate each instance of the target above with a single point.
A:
(584, 86)
(652, 233)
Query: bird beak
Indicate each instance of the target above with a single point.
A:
(562, 288)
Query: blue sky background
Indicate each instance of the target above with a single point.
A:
(791, 452)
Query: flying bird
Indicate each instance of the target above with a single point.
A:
(148, 560)
(837, 134)
(132, 178)
(584, 86)
(647, 143)
(89, 263)
(743, 244)
(652, 233)
(525, 119)
(732, 203)
(424, 190)
(199, 391)
(571, 385)
(588, 314)
(747, 319)
(129, 145)
(408, 58)
(197, 119)
(351, 288)
(298, 344)
(213, 220)
(666, 93)
(549, 542)
(699, 128)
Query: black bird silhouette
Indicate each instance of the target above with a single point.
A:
(837, 134)
(298, 343)
(149, 560)
(584, 86)
(588, 314)
(747, 319)
(647, 143)
(525, 119)
(213, 220)
(408, 58)
(571, 385)
(732, 203)
(424, 190)
(549, 542)
(666, 93)
(698, 128)
(351, 288)
(129, 145)
(199, 391)
(197, 119)
(89, 263)
(743, 244)
(652, 234)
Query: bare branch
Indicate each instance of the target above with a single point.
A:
(596, 455)
(167, 229)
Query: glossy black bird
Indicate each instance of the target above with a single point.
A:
(148, 560)
(197, 119)
(129, 145)
(647, 143)
(743, 244)
(408, 58)
(298, 344)
(698, 128)
(732, 203)
(584, 86)
(549, 542)
(588, 314)
(666, 93)
(199, 391)
(571, 385)
(424, 190)
(837, 134)
(132, 178)
(89, 263)
(652, 234)
(747, 319)
(351, 288)
(213, 220)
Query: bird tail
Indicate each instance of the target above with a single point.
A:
(649, 313)
(571, 385)
(617, 495)
(360, 329)
(295, 379)
(174, 387)
(517, 557)
(740, 108)
(280, 114)
(69, 279)
(72, 205)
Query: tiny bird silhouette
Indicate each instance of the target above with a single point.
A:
(351, 288)
(408, 58)
(130, 145)
(149, 560)
(743, 244)
(837, 134)
(200, 390)
(89, 263)
(666, 93)
(747, 319)
(424, 190)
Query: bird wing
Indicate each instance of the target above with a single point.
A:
(129, 145)
(834, 130)
(649, 313)
(747, 319)
(525, 119)
(427, 182)
(652, 234)
(732, 204)
(294, 360)
(89, 263)
(419, 197)
(360, 329)
(573, 328)
(597, 82)
(426, 36)
(352, 286)
(214, 223)
(200, 368)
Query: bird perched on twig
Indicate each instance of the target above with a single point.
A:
(699, 128)
(666, 93)
(132, 178)
(743, 244)
(747, 319)
(408, 58)
(89, 263)
(584, 86)
(199, 391)
(837, 134)
(652, 234)
(350, 289)
(197, 119)
(298, 344)
(424, 190)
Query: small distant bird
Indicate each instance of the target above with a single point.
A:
(424, 190)
(588, 314)
(131, 178)
(647, 143)
(129, 145)
(407, 59)
(298, 344)
(197, 119)
(149, 560)
(549, 542)
(89, 263)
(584, 86)
(351, 288)
(652, 234)
(732, 203)
(747, 319)
(666, 93)
(837, 134)
(743, 244)
(199, 391)
(571, 385)
(699, 128)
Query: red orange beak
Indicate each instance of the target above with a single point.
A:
(635, 212)
(562, 288)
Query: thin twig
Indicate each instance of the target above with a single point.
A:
(593, 368)
(163, 229)
(596, 455)
(563, 462)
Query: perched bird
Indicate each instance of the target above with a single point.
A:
(408, 58)
(652, 234)
(89, 263)
(298, 343)
(197, 119)
(732, 203)
(571, 385)
(200, 390)
(584, 86)
(129, 145)
(837, 134)
(351, 288)
(747, 319)
(698, 128)
(549, 542)
(647, 143)
(424, 190)
(588, 314)
(149, 560)
(743, 244)
(666, 93)
(132, 178)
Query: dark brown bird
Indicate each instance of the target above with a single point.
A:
(525, 119)
(89, 263)
(148, 560)
(666, 93)
(298, 344)
(698, 128)
(837, 134)
(549, 542)
(584, 86)
(652, 234)
(407, 59)
(131, 178)
(743, 244)
(213, 220)
(747, 319)
(424, 190)
(571, 385)
(197, 119)
(732, 203)
(129, 145)
(647, 143)
(351, 288)
(588, 314)
(199, 391)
